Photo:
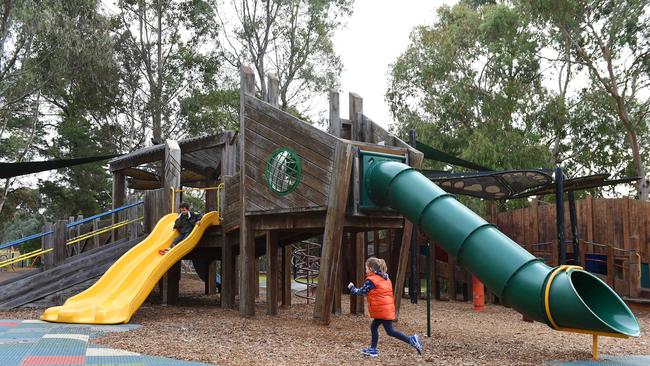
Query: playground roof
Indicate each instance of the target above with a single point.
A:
(505, 184)
(200, 161)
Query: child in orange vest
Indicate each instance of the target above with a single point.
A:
(381, 305)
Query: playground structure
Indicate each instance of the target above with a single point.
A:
(285, 181)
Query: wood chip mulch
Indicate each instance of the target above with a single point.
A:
(196, 330)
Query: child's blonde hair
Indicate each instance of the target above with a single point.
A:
(376, 264)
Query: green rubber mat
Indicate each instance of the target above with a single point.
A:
(608, 361)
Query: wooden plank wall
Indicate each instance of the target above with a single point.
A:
(231, 203)
(267, 129)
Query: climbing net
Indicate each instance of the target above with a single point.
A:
(306, 265)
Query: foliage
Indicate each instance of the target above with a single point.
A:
(480, 83)
(291, 39)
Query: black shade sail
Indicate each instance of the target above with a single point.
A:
(9, 170)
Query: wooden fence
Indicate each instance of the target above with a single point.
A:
(614, 238)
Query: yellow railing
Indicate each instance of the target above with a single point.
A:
(218, 188)
(21, 257)
(102, 230)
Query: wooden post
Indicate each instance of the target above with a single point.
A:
(334, 116)
(611, 268)
(359, 270)
(405, 247)
(273, 85)
(246, 231)
(228, 274)
(170, 286)
(355, 107)
(211, 280)
(334, 221)
(78, 246)
(338, 290)
(56, 241)
(47, 242)
(172, 170)
(272, 272)
(95, 239)
(171, 181)
(133, 227)
(287, 253)
(452, 278)
(119, 198)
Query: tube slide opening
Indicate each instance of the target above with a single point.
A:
(603, 302)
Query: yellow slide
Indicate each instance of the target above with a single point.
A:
(116, 296)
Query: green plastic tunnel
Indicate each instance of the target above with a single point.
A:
(576, 298)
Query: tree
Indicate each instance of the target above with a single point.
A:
(470, 84)
(166, 50)
(20, 22)
(610, 39)
(291, 39)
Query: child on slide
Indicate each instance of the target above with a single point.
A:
(381, 305)
(184, 224)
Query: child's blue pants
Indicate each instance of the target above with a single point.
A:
(388, 326)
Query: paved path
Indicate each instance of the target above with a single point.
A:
(34, 342)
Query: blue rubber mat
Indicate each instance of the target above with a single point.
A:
(34, 342)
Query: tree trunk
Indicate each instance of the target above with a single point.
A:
(642, 183)
(157, 117)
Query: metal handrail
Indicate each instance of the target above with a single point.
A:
(219, 188)
(34, 253)
(89, 235)
(109, 212)
(70, 225)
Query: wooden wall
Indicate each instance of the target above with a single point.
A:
(616, 228)
(231, 203)
(267, 129)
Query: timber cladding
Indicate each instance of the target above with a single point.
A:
(267, 129)
(231, 204)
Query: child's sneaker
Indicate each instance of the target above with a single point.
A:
(414, 340)
(372, 352)
(163, 251)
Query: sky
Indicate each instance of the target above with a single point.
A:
(375, 35)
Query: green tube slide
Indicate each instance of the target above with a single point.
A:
(563, 298)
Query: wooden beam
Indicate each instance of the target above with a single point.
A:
(331, 250)
(402, 264)
(287, 253)
(228, 274)
(171, 181)
(355, 106)
(170, 285)
(246, 232)
(334, 114)
(140, 174)
(273, 92)
(356, 302)
(211, 279)
(205, 171)
(119, 199)
(272, 273)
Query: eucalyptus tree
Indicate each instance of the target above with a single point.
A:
(610, 39)
(289, 38)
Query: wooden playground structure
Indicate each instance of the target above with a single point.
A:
(314, 192)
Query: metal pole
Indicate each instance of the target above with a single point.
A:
(428, 289)
(414, 283)
(559, 214)
(574, 228)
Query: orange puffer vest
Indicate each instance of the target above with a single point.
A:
(381, 303)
